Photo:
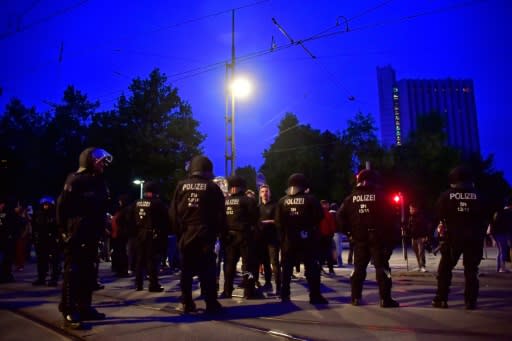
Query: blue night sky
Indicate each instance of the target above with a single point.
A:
(108, 43)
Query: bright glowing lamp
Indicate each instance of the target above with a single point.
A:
(241, 87)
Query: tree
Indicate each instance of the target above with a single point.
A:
(21, 129)
(65, 137)
(296, 149)
(336, 158)
(152, 134)
(361, 140)
(248, 173)
(423, 161)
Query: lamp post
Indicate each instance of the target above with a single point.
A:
(238, 88)
(234, 88)
(141, 183)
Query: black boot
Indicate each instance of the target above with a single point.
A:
(187, 307)
(72, 321)
(213, 308)
(389, 303)
(156, 288)
(91, 314)
(317, 299)
(438, 302)
(356, 301)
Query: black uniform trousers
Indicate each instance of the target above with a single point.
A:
(79, 277)
(119, 256)
(268, 255)
(238, 244)
(364, 251)
(272, 250)
(292, 253)
(198, 258)
(148, 258)
(47, 258)
(450, 254)
(7, 251)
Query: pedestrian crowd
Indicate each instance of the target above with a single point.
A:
(212, 224)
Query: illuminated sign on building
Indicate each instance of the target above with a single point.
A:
(396, 110)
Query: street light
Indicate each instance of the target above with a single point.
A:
(238, 87)
(141, 183)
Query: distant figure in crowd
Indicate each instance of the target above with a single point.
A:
(462, 216)
(22, 227)
(151, 220)
(327, 229)
(7, 241)
(501, 230)
(366, 217)
(81, 218)
(119, 235)
(338, 237)
(418, 229)
(46, 239)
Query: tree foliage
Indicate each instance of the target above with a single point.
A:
(151, 134)
(21, 129)
(248, 173)
(323, 157)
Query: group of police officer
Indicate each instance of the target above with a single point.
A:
(200, 214)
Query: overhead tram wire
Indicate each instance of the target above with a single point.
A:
(401, 19)
(95, 47)
(211, 67)
(57, 13)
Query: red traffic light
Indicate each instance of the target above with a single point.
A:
(397, 198)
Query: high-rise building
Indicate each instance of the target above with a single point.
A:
(402, 101)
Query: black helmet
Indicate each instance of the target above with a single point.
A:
(92, 155)
(366, 177)
(460, 174)
(46, 200)
(201, 166)
(297, 183)
(236, 181)
(151, 186)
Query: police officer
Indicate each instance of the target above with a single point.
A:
(242, 217)
(81, 218)
(152, 226)
(46, 242)
(197, 217)
(298, 215)
(365, 216)
(462, 215)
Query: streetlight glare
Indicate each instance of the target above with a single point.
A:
(241, 87)
(141, 183)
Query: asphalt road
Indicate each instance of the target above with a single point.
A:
(30, 313)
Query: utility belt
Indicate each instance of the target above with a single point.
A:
(149, 231)
(239, 229)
